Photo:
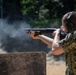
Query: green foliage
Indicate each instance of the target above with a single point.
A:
(46, 9)
(36, 10)
(45, 22)
(27, 5)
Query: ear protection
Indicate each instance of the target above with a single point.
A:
(69, 23)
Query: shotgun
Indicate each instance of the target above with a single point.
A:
(39, 31)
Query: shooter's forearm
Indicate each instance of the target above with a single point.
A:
(46, 40)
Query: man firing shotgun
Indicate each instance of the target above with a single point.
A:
(66, 45)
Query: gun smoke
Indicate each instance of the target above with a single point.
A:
(13, 38)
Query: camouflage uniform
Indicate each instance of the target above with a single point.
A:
(69, 46)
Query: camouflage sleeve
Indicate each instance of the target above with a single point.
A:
(70, 38)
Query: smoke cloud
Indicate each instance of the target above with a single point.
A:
(12, 33)
(13, 30)
(13, 38)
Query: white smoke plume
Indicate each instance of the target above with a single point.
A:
(12, 31)
(13, 38)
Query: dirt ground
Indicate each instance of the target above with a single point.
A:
(55, 67)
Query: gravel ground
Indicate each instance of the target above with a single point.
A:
(55, 67)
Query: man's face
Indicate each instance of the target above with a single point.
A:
(64, 27)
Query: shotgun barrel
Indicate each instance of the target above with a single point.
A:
(39, 31)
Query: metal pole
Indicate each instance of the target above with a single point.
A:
(1, 9)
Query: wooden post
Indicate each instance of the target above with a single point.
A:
(23, 63)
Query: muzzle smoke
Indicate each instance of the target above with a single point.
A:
(13, 33)
(13, 38)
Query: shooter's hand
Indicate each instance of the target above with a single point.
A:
(32, 34)
(55, 32)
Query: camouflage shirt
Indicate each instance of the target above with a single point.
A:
(69, 46)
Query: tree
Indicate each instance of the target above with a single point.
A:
(37, 9)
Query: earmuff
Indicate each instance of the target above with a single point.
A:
(69, 23)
